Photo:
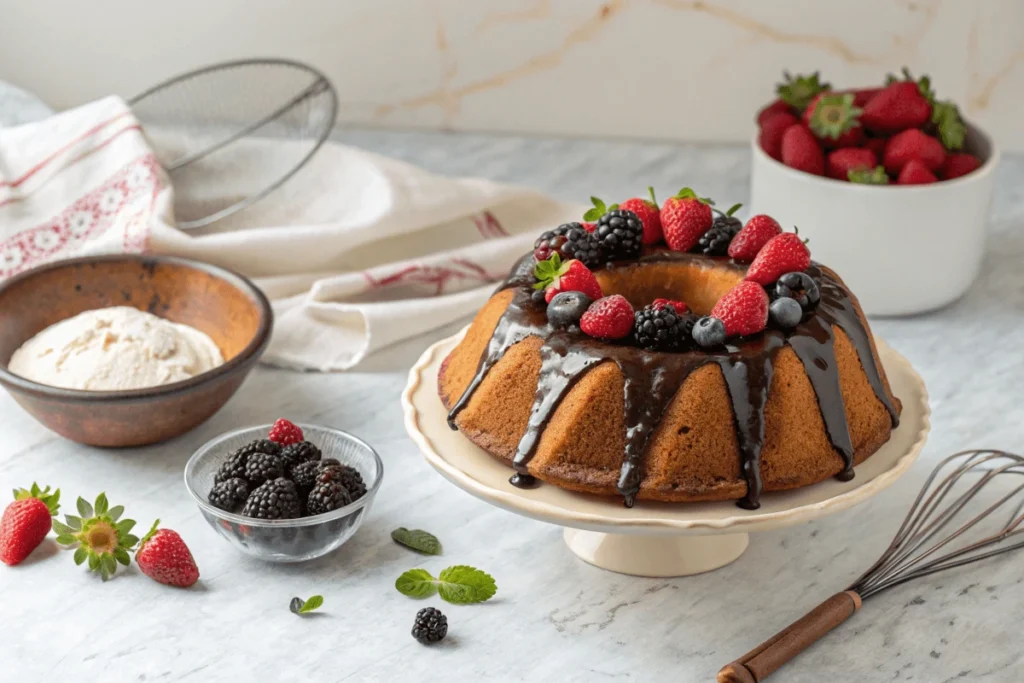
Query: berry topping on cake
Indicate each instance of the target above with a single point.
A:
(785, 313)
(684, 218)
(284, 433)
(798, 286)
(758, 231)
(663, 328)
(566, 308)
(620, 233)
(716, 241)
(554, 276)
(608, 318)
(783, 254)
(680, 306)
(649, 214)
(913, 144)
(916, 173)
(709, 332)
(743, 310)
(569, 241)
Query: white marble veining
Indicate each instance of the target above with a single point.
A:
(554, 617)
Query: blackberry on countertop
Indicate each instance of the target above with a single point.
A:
(276, 499)
(296, 453)
(234, 466)
(327, 496)
(263, 467)
(715, 242)
(347, 476)
(570, 241)
(660, 328)
(229, 494)
(621, 234)
(431, 626)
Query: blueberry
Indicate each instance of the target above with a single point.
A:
(800, 287)
(785, 313)
(537, 296)
(709, 331)
(566, 308)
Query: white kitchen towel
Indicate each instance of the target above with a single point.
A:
(357, 251)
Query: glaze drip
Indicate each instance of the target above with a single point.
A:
(652, 379)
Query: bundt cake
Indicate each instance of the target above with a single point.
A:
(668, 410)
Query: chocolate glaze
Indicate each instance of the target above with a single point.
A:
(651, 379)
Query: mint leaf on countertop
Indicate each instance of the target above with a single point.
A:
(300, 606)
(418, 540)
(459, 585)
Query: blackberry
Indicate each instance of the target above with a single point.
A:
(431, 626)
(304, 475)
(234, 466)
(229, 494)
(263, 467)
(662, 329)
(709, 331)
(347, 476)
(327, 496)
(621, 234)
(566, 308)
(570, 241)
(715, 242)
(297, 453)
(276, 499)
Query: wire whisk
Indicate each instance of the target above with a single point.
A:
(956, 520)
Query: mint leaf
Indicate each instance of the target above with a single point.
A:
(462, 585)
(300, 606)
(416, 583)
(417, 539)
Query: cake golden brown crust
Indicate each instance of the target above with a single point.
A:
(693, 453)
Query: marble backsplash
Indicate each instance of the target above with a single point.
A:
(689, 70)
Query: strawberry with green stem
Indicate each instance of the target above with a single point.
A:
(799, 91)
(99, 536)
(834, 119)
(26, 522)
(649, 214)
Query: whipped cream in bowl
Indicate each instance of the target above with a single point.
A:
(115, 349)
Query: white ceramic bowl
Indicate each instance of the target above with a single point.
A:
(901, 249)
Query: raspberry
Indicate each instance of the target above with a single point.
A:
(285, 433)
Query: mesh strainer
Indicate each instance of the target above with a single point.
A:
(209, 125)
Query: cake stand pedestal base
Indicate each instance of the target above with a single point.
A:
(655, 556)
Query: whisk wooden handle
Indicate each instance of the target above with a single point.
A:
(759, 663)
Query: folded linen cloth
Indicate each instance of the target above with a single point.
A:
(356, 252)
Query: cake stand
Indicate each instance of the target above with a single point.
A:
(656, 539)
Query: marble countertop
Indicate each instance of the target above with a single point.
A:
(554, 617)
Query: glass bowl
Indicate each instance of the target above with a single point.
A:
(286, 540)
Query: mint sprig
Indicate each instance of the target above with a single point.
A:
(599, 209)
(300, 606)
(459, 585)
(418, 540)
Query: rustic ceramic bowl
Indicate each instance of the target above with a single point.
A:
(226, 306)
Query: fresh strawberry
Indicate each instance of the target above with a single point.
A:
(164, 557)
(876, 145)
(680, 306)
(26, 522)
(684, 218)
(758, 231)
(772, 130)
(916, 172)
(801, 150)
(285, 433)
(832, 117)
(785, 253)
(798, 92)
(648, 213)
(862, 96)
(608, 318)
(841, 161)
(913, 144)
(868, 176)
(555, 275)
(897, 107)
(743, 309)
(767, 112)
(959, 164)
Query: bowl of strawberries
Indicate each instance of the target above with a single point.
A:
(889, 183)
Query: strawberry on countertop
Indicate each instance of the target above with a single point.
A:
(684, 218)
(608, 318)
(648, 213)
(555, 275)
(758, 231)
(743, 309)
(785, 253)
(26, 522)
(164, 557)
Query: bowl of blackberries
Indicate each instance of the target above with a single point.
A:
(285, 492)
